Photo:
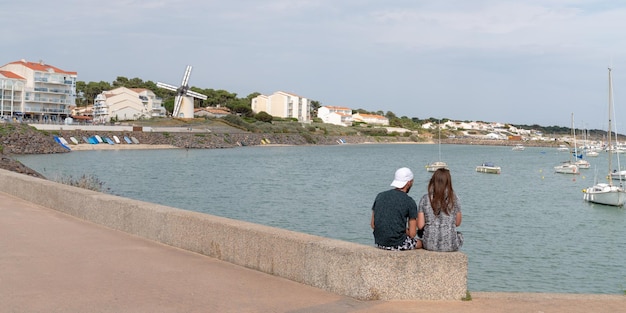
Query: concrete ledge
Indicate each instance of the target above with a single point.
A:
(354, 270)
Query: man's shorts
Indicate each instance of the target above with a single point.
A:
(408, 244)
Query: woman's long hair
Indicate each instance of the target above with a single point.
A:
(440, 191)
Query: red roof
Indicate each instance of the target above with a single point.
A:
(8, 74)
(42, 67)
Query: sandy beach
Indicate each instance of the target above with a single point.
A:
(88, 147)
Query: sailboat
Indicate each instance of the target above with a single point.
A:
(580, 162)
(607, 193)
(568, 167)
(590, 151)
(437, 164)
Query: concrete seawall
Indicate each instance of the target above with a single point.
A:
(349, 269)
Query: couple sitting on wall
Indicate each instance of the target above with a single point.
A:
(397, 220)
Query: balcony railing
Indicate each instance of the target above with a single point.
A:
(9, 98)
(53, 90)
(53, 80)
(49, 100)
(28, 109)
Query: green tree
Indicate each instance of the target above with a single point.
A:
(88, 91)
(120, 81)
(218, 98)
(243, 109)
(169, 104)
(263, 117)
(315, 105)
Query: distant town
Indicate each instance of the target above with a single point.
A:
(35, 92)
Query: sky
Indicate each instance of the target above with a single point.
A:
(520, 62)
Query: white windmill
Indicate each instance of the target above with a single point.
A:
(183, 103)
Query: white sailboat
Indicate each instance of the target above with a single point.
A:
(437, 164)
(568, 167)
(607, 193)
(580, 162)
(590, 151)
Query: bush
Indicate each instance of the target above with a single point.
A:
(236, 121)
(263, 117)
(374, 131)
(89, 182)
(308, 138)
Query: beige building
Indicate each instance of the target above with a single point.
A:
(283, 104)
(123, 104)
(37, 91)
(370, 119)
(341, 116)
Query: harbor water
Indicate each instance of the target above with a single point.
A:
(526, 229)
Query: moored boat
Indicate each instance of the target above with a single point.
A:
(489, 168)
(570, 166)
(436, 165)
(566, 168)
(607, 193)
(584, 164)
(618, 175)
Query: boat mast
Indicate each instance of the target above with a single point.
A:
(609, 133)
(439, 128)
(574, 136)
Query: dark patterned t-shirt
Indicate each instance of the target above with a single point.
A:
(392, 209)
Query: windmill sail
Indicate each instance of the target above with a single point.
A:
(183, 103)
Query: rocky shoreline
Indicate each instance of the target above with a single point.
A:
(23, 139)
(18, 139)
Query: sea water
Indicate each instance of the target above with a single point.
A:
(526, 229)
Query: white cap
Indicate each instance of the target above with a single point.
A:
(403, 176)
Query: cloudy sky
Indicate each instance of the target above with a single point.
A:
(521, 62)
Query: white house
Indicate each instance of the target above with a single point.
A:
(428, 125)
(283, 104)
(36, 90)
(495, 136)
(341, 116)
(216, 112)
(127, 104)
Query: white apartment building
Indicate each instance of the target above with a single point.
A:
(336, 115)
(122, 104)
(37, 91)
(283, 104)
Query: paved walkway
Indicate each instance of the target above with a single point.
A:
(52, 262)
